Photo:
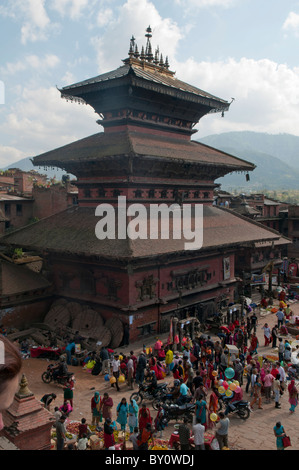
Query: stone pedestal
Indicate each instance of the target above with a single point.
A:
(27, 424)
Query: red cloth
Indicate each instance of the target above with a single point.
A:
(144, 419)
(36, 352)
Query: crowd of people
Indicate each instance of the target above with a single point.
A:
(196, 372)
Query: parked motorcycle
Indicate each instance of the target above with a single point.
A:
(166, 398)
(240, 408)
(145, 393)
(177, 412)
(48, 376)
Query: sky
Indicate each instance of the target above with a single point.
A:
(244, 51)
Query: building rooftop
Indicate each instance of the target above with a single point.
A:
(73, 232)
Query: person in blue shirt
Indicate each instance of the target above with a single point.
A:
(184, 392)
(70, 348)
(279, 433)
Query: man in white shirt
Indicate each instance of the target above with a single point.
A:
(130, 370)
(115, 367)
(198, 434)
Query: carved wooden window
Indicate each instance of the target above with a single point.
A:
(102, 192)
(116, 192)
(147, 287)
(138, 193)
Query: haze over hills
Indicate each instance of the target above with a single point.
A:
(26, 165)
(276, 157)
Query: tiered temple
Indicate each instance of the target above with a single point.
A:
(147, 155)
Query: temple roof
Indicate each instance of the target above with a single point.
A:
(147, 74)
(15, 279)
(127, 143)
(73, 232)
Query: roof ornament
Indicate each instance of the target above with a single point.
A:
(146, 55)
(148, 49)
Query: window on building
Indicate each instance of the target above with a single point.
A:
(7, 209)
(19, 209)
(87, 193)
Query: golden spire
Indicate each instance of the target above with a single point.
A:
(24, 390)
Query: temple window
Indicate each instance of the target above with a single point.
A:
(138, 193)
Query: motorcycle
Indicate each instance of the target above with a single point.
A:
(48, 376)
(240, 408)
(166, 398)
(176, 412)
(144, 392)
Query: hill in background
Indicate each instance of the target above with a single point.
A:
(276, 157)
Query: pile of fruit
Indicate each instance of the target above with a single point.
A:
(159, 444)
(73, 427)
(119, 436)
(68, 435)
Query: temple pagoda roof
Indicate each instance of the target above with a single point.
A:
(127, 144)
(72, 232)
(144, 86)
(148, 74)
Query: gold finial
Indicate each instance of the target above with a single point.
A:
(24, 390)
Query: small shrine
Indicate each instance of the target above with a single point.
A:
(27, 424)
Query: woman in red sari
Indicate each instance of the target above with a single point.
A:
(253, 344)
(144, 417)
(153, 365)
(213, 403)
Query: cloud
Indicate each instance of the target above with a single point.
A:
(292, 23)
(32, 61)
(266, 94)
(71, 8)
(205, 3)
(36, 24)
(37, 21)
(40, 120)
(9, 155)
(132, 18)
